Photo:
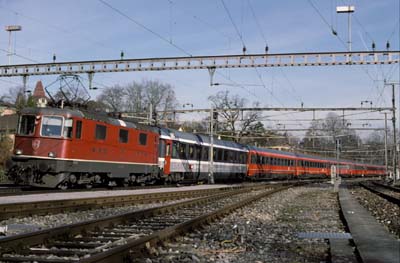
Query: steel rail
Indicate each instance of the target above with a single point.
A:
(390, 198)
(392, 188)
(57, 206)
(203, 62)
(123, 253)
(20, 243)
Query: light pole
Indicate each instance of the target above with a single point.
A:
(347, 9)
(10, 29)
(211, 71)
(395, 158)
(211, 170)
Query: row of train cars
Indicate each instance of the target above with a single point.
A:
(68, 148)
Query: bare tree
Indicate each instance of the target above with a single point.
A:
(134, 97)
(228, 109)
(332, 128)
(18, 97)
(137, 98)
(113, 98)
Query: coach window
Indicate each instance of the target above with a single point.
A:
(78, 129)
(220, 155)
(182, 151)
(236, 157)
(68, 128)
(192, 152)
(175, 148)
(142, 138)
(224, 155)
(123, 136)
(197, 149)
(206, 151)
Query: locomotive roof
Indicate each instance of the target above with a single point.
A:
(87, 115)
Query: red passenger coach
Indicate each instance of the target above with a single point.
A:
(270, 164)
(62, 147)
(312, 167)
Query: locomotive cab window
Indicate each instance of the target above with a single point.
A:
(142, 138)
(123, 136)
(52, 126)
(26, 125)
(101, 132)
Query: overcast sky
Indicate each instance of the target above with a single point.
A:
(92, 30)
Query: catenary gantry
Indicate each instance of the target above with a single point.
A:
(203, 62)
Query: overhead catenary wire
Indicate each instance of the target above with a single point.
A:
(144, 27)
(257, 23)
(233, 23)
(327, 23)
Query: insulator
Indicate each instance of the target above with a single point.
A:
(122, 54)
(266, 49)
(334, 32)
(387, 45)
(373, 46)
(244, 49)
(54, 57)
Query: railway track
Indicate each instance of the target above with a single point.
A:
(387, 192)
(124, 237)
(21, 209)
(11, 190)
(392, 188)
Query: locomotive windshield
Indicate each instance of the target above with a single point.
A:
(26, 125)
(52, 126)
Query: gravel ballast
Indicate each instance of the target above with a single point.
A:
(384, 211)
(33, 223)
(266, 231)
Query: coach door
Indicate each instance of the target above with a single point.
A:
(167, 160)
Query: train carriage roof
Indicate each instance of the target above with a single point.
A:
(228, 144)
(272, 151)
(199, 139)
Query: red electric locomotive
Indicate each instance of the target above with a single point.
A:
(62, 148)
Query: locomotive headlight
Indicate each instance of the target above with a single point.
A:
(52, 155)
(18, 151)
